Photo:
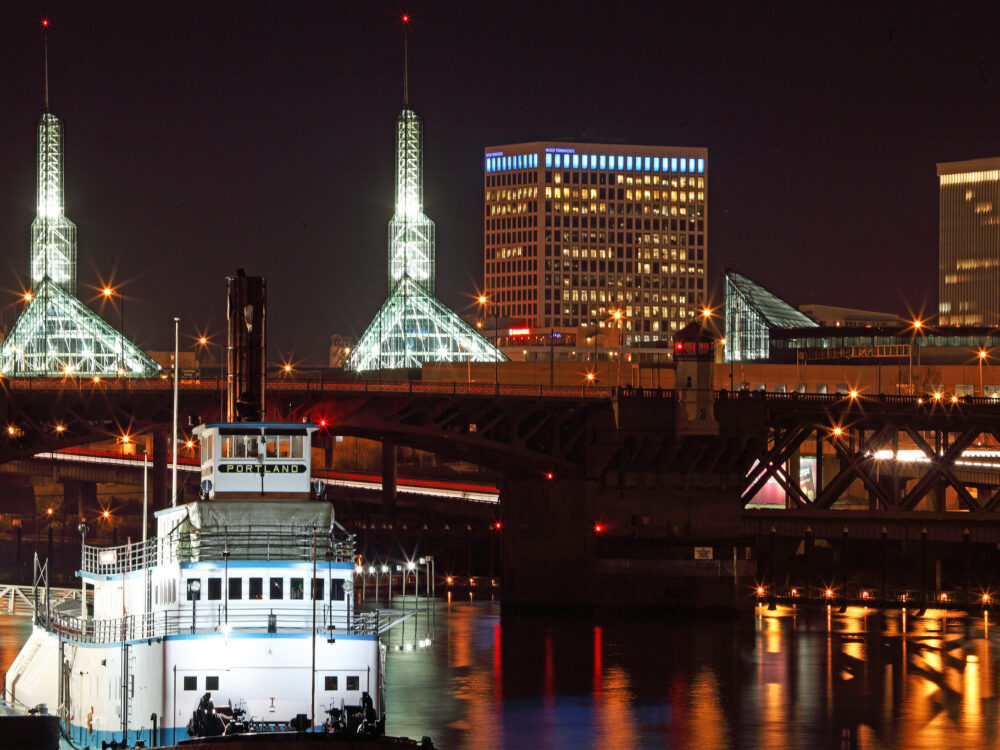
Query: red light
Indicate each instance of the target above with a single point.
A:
(45, 22)
(598, 528)
(549, 475)
(406, 19)
(322, 423)
(498, 525)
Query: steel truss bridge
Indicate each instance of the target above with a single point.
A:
(798, 453)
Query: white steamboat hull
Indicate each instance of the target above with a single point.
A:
(268, 673)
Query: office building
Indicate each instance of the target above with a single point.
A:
(969, 243)
(574, 232)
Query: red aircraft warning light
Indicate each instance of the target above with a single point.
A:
(549, 475)
(45, 22)
(497, 525)
(598, 528)
(406, 18)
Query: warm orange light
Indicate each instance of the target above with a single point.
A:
(706, 313)
(618, 315)
(60, 428)
(982, 354)
(28, 296)
(49, 511)
(760, 591)
(829, 593)
(97, 378)
(483, 299)
(11, 429)
(288, 368)
(203, 340)
(954, 399)
(126, 439)
(107, 291)
(590, 376)
(190, 443)
(853, 394)
(838, 431)
(106, 514)
(937, 396)
(918, 324)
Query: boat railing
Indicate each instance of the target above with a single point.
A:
(234, 543)
(209, 620)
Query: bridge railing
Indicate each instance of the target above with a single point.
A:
(321, 385)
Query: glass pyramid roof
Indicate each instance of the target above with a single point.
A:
(413, 327)
(57, 335)
(775, 311)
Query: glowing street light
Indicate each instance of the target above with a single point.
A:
(981, 354)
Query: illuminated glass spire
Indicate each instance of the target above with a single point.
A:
(412, 326)
(57, 334)
(411, 234)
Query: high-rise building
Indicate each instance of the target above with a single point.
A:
(969, 242)
(56, 334)
(574, 232)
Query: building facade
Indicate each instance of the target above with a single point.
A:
(969, 243)
(575, 232)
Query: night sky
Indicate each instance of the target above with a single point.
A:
(205, 136)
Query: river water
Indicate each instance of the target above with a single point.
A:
(772, 680)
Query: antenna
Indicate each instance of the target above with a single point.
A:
(45, 46)
(406, 74)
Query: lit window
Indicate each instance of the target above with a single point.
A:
(576, 161)
(656, 163)
(673, 164)
(701, 165)
(558, 164)
(621, 162)
(548, 160)
(628, 162)
(593, 161)
(684, 165)
(604, 161)
(645, 164)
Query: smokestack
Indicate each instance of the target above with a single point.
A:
(245, 356)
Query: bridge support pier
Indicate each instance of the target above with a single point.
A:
(388, 479)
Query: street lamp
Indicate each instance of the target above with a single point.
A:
(484, 302)
(618, 317)
(109, 294)
(982, 358)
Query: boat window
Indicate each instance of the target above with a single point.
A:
(317, 592)
(296, 587)
(336, 590)
(284, 446)
(206, 450)
(256, 588)
(296, 448)
(277, 588)
(227, 447)
(272, 446)
(235, 588)
(353, 682)
(212, 682)
(330, 682)
(214, 589)
(190, 682)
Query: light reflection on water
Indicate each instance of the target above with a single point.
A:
(779, 680)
